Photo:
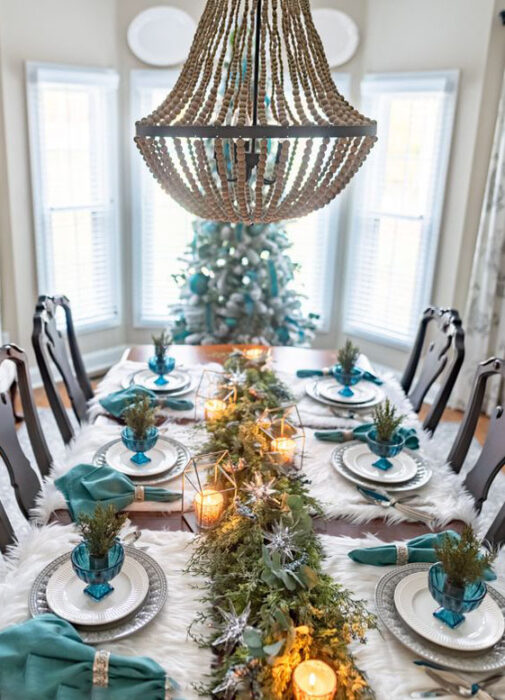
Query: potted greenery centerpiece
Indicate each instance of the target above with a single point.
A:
(99, 557)
(345, 371)
(456, 581)
(383, 439)
(140, 434)
(160, 364)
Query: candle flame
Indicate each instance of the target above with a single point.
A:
(312, 680)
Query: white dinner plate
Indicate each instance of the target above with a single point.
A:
(66, 597)
(481, 629)
(163, 457)
(176, 381)
(161, 35)
(363, 391)
(312, 390)
(359, 459)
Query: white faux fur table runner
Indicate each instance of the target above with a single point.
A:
(387, 663)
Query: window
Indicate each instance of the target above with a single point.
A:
(314, 239)
(398, 205)
(161, 228)
(73, 141)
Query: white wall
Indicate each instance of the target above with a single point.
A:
(79, 32)
(395, 35)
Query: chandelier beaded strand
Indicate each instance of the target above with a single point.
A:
(255, 130)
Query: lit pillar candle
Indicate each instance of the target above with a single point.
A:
(253, 353)
(314, 680)
(285, 447)
(209, 506)
(214, 409)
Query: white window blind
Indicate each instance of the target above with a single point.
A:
(398, 203)
(162, 229)
(73, 130)
(314, 239)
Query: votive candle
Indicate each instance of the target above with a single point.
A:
(214, 409)
(285, 447)
(209, 506)
(314, 680)
(253, 353)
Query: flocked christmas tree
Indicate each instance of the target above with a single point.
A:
(237, 287)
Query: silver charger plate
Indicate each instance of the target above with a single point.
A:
(153, 603)
(489, 660)
(183, 457)
(312, 391)
(420, 479)
(362, 393)
(179, 382)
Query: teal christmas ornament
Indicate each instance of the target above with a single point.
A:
(199, 283)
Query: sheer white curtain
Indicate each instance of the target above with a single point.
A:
(484, 318)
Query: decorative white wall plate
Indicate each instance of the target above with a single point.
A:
(161, 35)
(339, 34)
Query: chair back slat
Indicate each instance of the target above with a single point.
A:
(7, 535)
(445, 353)
(491, 459)
(50, 347)
(463, 439)
(23, 477)
(495, 536)
(75, 352)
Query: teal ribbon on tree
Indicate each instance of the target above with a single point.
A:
(274, 285)
(248, 304)
(208, 317)
(239, 228)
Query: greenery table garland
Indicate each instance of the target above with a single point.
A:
(271, 606)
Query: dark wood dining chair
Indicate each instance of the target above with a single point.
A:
(492, 457)
(495, 536)
(51, 350)
(23, 476)
(445, 353)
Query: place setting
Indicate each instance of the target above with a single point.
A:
(350, 391)
(142, 452)
(161, 375)
(446, 612)
(382, 460)
(106, 588)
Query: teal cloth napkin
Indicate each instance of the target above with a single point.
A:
(45, 659)
(305, 373)
(117, 402)
(86, 485)
(361, 432)
(420, 549)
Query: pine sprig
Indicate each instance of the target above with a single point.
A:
(386, 421)
(463, 559)
(140, 417)
(161, 343)
(347, 357)
(101, 529)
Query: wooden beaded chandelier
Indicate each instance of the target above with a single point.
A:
(255, 130)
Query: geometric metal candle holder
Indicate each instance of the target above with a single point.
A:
(208, 488)
(214, 396)
(285, 433)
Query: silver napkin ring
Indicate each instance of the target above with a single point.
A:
(101, 669)
(402, 554)
(139, 493)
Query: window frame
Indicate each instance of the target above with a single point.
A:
(409, 82)
(108, 78)
(139, 78)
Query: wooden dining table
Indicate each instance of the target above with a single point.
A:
(289, 360)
